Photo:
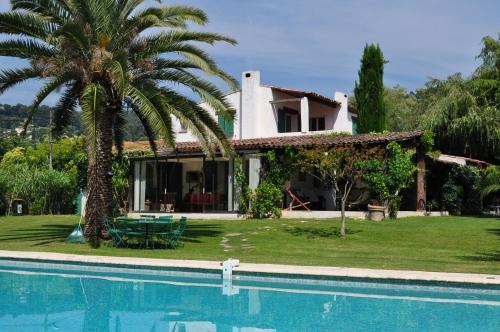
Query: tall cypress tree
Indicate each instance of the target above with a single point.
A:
(369, 92)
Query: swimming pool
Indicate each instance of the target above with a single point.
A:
(37, 296)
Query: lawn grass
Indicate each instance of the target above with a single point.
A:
(451, 244)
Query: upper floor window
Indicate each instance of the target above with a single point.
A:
(288, 120)
(317, 124)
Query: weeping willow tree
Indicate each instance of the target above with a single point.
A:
(465, 113)
(102, 53)
(462, 126)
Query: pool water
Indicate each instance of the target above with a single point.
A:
(49, 297)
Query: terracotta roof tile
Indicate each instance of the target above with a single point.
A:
(280, 142)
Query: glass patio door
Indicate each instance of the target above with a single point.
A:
(215, 185)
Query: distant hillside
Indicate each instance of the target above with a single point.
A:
(12, 116)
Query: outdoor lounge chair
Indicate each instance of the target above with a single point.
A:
(296, 202)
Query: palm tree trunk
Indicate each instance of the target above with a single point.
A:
(99, 182)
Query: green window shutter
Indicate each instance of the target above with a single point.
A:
(221, 122)
(281, 121)
(354, 126)
(227, 126)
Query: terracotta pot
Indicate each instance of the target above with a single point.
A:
(376, 212)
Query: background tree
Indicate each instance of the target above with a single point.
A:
(401, 106)
(100, 53)
(338, 168)
(369, 91)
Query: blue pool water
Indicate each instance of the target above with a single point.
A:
(43, 297)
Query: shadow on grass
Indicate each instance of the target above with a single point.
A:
(484, 257)
(47, 234)
(41, 235)
(196, 231)
(494, 231)
(312, 233)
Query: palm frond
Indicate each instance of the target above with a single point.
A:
(162, 42)
(184, 14)
(190, 52)
(12, 77)
(26, 49)
(147, 104)
(74, 33)
(118, 77)
(186, 111)
(119, 130)
(490, 181)
(47, 89)
(162, 17)
(65, 109)
(204, 89)
(56, 11)
(124, 8)
(25, 24)
(92, 102)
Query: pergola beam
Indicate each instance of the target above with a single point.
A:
(280, 101)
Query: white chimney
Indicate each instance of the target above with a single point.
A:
(250, 84)
(343, 122)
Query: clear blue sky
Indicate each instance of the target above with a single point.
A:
(317, 44)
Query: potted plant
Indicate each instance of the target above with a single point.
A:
(376, 210)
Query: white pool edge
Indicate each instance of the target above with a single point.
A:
(274, 269)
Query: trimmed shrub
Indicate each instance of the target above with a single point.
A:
(267, 201)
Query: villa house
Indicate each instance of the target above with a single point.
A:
(267, 117)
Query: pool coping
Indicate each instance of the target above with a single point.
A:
(257, 269)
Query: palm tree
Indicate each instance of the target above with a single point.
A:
(490, 181)
(102, 54)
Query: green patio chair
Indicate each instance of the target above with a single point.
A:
(160, 231)
(117, 230)
(166, 220)
(136, 231)
(175, 235)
